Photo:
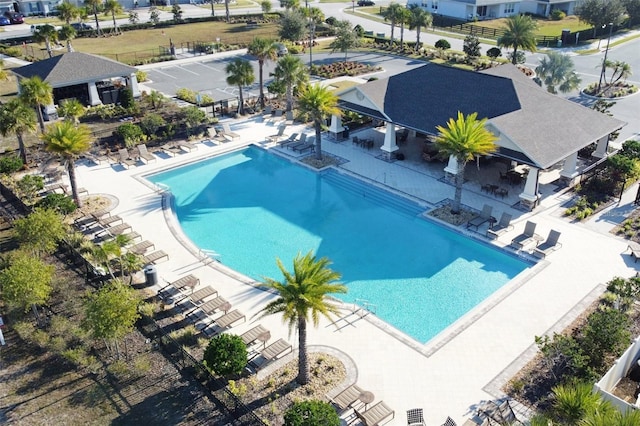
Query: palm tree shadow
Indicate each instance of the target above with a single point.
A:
(278, 392)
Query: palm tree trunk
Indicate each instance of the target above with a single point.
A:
(115, 26)
(459, 179)
(241, 108)
(226, 10)
(393, 25)
(40, 117)
(289, 97)
(22, 148)
(69, 47)
(514, 60)
(95, 15)
(303, 359)
(402, 34)
(47, 43)
(417, 37)
(260, 65)
(71, 169)
(318, 148)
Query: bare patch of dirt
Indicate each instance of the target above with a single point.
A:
(444, 213)
(327, 160)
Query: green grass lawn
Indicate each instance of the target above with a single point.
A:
(546, 27)
(54, 20)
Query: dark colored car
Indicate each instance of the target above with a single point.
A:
(4, 20)
(14, 17)
(81, 26)
(365, 3)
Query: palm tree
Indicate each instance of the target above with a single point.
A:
(67, 12)
(519, 33)
(265, 50)
(46, 34)
(226, 10)
(36, 93)
(403, 18)
(420, 18)
(113, 7)
(302, 297)
(292, 72)
(464, 138)
(18, 118)
(318, 103)
(556, 70)
(575, 401)
(69, 141)
(94, 5)
(71, 109)
(240, 73)
(392, 14)
(67, 33)
(621, 71)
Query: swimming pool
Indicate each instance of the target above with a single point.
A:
(251, 206)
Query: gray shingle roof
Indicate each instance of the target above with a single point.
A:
(74, 68)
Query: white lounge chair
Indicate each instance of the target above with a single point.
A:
(376, 414)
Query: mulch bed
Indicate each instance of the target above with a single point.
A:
(444, 213)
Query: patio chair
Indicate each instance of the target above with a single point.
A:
(125, 158)
(228, 319)
(635, 251)
(347, 397)
(483, 218)
(293, 138)
(142, 247)
(226, 130)
(171, 149)
(187, 282)
(145, 154)
(153, 258)
(376, 414)
(277, 136)
(187, 146)
(415, 417)
(503, 225)
(549, 245)
(109, 220)
(249, 337)
(116, 230)
(276, 349)
(449, 422)
(304, 147)
(216, 136)
(527, 237)
(198, 297)
(211, 306)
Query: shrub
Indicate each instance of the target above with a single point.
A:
(226, 354)
(443, 44)
(151, 122)
(10, 164)
(557, 15)
(131, 134)
(126, 98)
(60, 203)
(311, 413)
(141, 76)
(494, 53)
(331, 21)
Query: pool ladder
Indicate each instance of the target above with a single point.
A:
(209, 255)
(363, 307)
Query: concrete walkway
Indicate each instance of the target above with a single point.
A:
(465, 364)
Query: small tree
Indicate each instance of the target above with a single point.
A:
(131, 134)
(150, 124)
(471, 47)
(494, 53)
(311, 413)
(293, 26)
(443, 44)
(176, 10)
(346, 38)
(192, 117)
(63, 204)
(40, 232)
(154, 15)
(226, 354)
(265, 5)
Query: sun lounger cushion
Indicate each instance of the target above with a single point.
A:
(188, 281)
(213, 305)
(155, 257)
(275, 349)
(374, 415)
(227, 319)
(109, 220)
(142, 247)
(198, 296)
(118, 229)
(250, 336)
(347, 397)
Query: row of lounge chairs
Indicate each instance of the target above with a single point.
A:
(277, 116)
(300, 144)
(542, 247)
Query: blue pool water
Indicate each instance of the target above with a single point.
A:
(251, 207)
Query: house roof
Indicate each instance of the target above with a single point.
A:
(74, 68)
(543, 127)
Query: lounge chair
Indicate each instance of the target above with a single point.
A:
(276, 349)
(415, 417)
(125, 158)
(449, 422)
(277, 136)
(154, 257)
(145, 154)
(304, 147)
(347, 397)
(198, 297)
(376, 414)
(290, 140)
(266, 113)
(226, 131)
(219, 137)
(119, 229)
(187, 282)
(109, 220)
(549, 245)
(142, 247)
(635, 251)
(228, 319)
(171, 149)
(527, 237)
(249, 337)
(501, 227)
(211, 306)
(187, 146)
(483, 218)
(500, 413)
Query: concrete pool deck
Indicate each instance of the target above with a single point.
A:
(464, 365)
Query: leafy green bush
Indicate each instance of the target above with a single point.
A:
(10, 164)
(131, 134)
(60, 203)
(443, 44)
(494, 53)
(225, 355)
(151, 123)
(142, 76)
(557, 15)
(311, 413)
(191, 96)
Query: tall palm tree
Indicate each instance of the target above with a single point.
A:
(464, 138)
(265, 50)
(318, 103)
(240, 73)
(18, 118)
(292, 72)
(95, 6)
(113, 8)
(420, 18)
(392, 14)
(36, 93)
(67, 12)
(67, 33)
(403, 18)
(226, 10)
(302, 297)
(69, 141)
(519, 33)
(46, 34)
(621, 71)
(557, 71)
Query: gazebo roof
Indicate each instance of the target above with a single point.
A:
(74, 68)
(542, 128)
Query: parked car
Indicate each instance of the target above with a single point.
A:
(281, 49)
(4, 20)
(365, 3)
(14, 17)
(81, 26)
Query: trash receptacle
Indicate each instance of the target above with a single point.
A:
(345, 132)
(151, 275)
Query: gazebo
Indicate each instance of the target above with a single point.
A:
(534, 127)
(92, 79)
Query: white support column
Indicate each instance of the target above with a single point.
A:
(570, 168)
(452, 167)
(132, 81)
(336, 128)
(601, 149)
(94, 98)
(529, 197)
(389, 146)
